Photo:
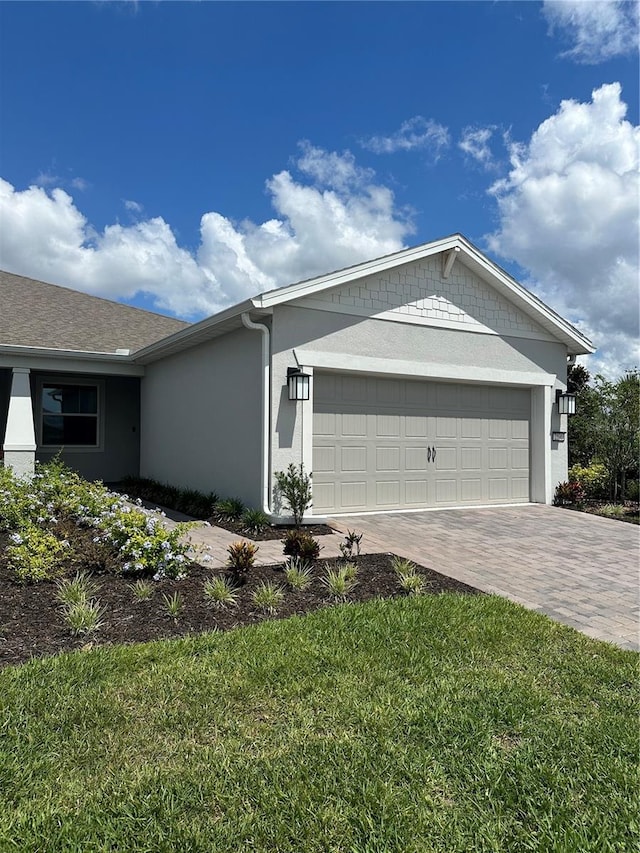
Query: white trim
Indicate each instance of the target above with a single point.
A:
(467, 507)
(420, 369)
(39, 358)
(306, 417)
(265, 412)
(416, 320)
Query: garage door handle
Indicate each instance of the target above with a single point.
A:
(428, 454)
(433, 454)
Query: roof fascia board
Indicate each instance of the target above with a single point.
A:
(76, 361)
(308, 288)
(180, 340)
(533, 303)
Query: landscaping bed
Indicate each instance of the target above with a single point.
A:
(32, 625)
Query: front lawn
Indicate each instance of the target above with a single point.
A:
(432, 723)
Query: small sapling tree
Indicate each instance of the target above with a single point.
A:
(294, 485)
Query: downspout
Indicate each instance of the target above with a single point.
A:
(266, 426)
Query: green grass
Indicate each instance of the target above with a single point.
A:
(444, 723)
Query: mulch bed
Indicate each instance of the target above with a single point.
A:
(271, 532)
(31, 624)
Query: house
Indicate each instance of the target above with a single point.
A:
(432, 378)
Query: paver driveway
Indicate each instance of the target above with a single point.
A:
(577, 568)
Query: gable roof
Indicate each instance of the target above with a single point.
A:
(37, 314)
(465, 252)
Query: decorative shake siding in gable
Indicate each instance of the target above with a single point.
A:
(418, 291)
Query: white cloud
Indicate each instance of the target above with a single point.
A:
(80, 184)
(599, 29)
(47, 179)
(416, 132)
(131, 205)
(569, 215)
(335, 215)
(475, 143)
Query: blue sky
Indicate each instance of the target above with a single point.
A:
(183, 156)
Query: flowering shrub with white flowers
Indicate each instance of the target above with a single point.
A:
(30, 509)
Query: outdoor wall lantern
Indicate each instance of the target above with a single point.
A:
(566, 402)
(298, 383)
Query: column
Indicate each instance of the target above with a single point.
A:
(20, 439)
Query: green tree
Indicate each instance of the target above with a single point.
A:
(606, 428)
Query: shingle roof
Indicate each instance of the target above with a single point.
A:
(34, 313)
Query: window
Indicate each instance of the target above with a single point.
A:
(69, 415)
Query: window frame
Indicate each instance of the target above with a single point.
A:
(77, 381)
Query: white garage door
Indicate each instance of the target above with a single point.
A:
(382, 444)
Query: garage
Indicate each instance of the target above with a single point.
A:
(384, 443)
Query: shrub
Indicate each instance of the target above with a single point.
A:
(412, 583)
(142, 589)
(295, 487)
(189, 501)
(35, 554)
(300, 544)
(242, 556)
(268, 597)
(402, 567)
(80, 588)
(230, 509)
(612, 511)
(219, 592)
(337, 582)
(568, 494)
(633, 490)
(84, 617)
(145, 543)
(351, 542)
(298, 573)
(173, 604)
(254, 520)
(350, 570)
(593, 479)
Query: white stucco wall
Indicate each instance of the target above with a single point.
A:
(200, 412)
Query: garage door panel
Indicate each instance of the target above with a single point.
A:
(388, 425)
(446, 427)
(354, 494)
(446, 459)
(353, 459)
(519, 459)
(446, 491)
(415, 492)
(388, 493)
(324, 460)
(520, 430)
(498, 488)
(520, 488)
(416, 426)
(471, 428)
(415, 459)
(387, 391)
(498, 458)
(388, 459)
(498, 428)
(372, 438)
(353, 424)
(324, 423)
(471, 458)
(470, 490)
